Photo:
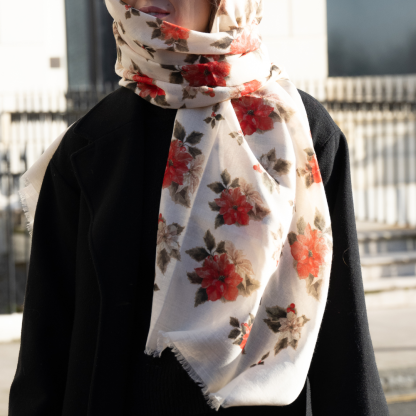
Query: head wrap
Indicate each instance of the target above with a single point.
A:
(244, 239)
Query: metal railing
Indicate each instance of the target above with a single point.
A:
(377, 115)
(28, 125)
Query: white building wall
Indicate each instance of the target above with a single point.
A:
(296, 34)
(32, 32)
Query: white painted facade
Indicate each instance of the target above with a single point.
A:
(31, 33)
(296, 34)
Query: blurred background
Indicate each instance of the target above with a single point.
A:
(358, 57)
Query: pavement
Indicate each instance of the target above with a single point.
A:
(393, 333)
(9, 353)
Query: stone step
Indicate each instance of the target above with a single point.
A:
(372, 242)
(390, 264)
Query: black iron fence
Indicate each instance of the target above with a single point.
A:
(377, 114)
(28, 124)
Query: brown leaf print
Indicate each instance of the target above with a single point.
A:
(244, 268)
(147, 48)
(239, 136)
(167, 243)
(261, 362)
(214, 118)
(223, 43)
(130, 11)
(259, 210)
(241, 332)
(119, 40)
(275, 167)
(287, 324)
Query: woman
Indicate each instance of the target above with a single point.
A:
(210, 154)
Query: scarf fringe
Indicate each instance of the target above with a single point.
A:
(163, 342)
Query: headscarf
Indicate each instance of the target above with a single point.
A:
(244, 248)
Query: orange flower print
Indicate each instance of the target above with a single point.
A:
(316, 173)
(247, 41)
(247, 330)
(309, 251)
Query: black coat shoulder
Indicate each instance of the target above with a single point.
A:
(322, 125)
(112, 112)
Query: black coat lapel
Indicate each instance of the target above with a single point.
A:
(108, 171)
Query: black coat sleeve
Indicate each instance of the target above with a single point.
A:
(343, 375)
(39, 384)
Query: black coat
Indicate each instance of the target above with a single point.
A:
(88, 297)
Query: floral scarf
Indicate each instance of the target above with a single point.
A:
(244, 241)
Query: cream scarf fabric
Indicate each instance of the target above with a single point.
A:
(244, 240)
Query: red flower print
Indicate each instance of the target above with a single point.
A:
(234, 207)
(248, 41)
(315, 170)
(147, 88)
(219, 278)
(211, 74)
(177, 164)
(291, 308)
(250, 87)
(245, 336)
(209, 91)
(309, 251)
(171, 31)
(253, 114)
